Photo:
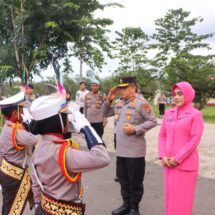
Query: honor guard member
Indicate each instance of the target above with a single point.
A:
(58, 163)
(14, 143)
(93, 108)
(134, 117)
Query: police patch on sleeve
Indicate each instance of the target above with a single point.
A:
(146, 107)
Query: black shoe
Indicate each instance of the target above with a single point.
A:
(134, 211)
(116, 179)
(122, 210)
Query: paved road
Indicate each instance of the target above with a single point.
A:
(102, 193)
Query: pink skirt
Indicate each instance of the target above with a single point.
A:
(179, 191)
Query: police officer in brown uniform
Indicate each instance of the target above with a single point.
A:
(14, 143)
(57, 163)
(134, 117)
(93, 107)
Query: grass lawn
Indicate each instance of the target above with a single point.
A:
(208, 113)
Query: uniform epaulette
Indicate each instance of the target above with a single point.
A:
(146, 106)
(141, 98)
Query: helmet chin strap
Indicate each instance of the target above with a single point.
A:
(18, 116)
(61, 122)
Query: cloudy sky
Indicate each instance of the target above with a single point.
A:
(143, 13)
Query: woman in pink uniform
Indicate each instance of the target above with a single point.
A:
(179, 136)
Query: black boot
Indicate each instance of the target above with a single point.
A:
(122, 210)
(134, 211)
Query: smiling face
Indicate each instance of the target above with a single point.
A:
(178, 97)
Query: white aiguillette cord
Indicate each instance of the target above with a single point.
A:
(61, 122)
(37, 178)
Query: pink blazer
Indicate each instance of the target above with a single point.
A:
(180, 136)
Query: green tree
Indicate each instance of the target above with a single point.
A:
(130, 48)
(174, 35)
(146, 81)
(198, 71)
(175, 61)
(33, 30)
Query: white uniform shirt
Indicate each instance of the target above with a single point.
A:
(80, 97)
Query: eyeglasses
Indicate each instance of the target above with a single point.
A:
(178, 93)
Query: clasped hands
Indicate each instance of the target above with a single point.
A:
(169, 161)
(129, 128)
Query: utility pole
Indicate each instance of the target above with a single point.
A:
(81, 68)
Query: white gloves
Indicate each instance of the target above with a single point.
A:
(82, 125)
(79, 120)
(36, 205)
(72, 107)
(26, 116)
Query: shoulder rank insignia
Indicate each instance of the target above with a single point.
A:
(146, 107)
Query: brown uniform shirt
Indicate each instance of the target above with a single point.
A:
(93, 107)
(54, 183)
(137, 113)
(8, 151)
